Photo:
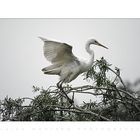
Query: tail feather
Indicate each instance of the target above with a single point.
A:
(43, 39)
(52, 72)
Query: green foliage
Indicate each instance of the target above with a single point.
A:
(98, 73)
(116, 100)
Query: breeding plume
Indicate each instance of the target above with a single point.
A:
(64, 63)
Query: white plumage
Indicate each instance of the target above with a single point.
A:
(64, 63)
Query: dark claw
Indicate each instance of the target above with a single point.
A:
(71, 101)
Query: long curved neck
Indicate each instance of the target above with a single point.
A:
(90, 52)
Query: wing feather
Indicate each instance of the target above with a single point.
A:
(58, 52)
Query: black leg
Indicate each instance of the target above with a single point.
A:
(59, 85)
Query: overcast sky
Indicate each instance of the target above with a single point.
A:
(21, 52)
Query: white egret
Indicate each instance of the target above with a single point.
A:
(64, 63)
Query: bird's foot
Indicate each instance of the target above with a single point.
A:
(70, 101)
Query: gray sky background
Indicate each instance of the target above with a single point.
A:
(21, 52)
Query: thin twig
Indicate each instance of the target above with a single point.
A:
(118, 77)
(92, 113)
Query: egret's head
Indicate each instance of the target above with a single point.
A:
(95, 42)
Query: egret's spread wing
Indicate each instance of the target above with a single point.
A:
(58, 52)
